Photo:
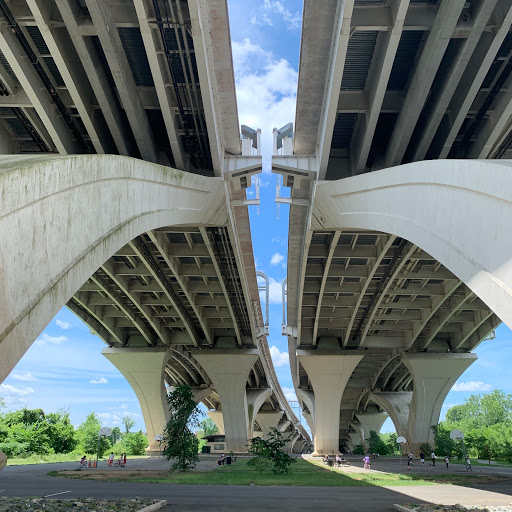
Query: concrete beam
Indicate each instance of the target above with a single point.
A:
(267, 420)
(159, 71)
(382, 246)
(475, 73)
(38, 95)
(212, 45)
(69, 66)
(332, 246)
(419, 88)
(438, 108)
(376, 84)
(123, 78)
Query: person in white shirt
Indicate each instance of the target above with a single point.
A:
(433, 457)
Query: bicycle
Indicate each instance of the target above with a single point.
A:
(82, 465)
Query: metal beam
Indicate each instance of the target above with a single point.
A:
(419, 88)
(123, 78)
(377, 81)
(36, 91)
(159, 72)
(438, 108)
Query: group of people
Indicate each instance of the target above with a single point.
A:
(337, 459)
(121, 461)
(433, 457)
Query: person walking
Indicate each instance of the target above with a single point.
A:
(422, 458)
(409, 459)
(433, 457)
(110, 459)
(446, 460)
(468, 464)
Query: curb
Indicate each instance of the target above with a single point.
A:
(156, 506)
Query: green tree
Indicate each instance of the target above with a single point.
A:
(135, 443)
(208, 427)
(181, 443)
(128, 423)
(271, 449)
(61, 432)
(116, 436)
(377, 444)
(87, 434)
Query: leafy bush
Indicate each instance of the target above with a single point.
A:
(271, 450)
(135, 443)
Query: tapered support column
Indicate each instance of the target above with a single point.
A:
(268, 420)
(309, 420)
(216, 417)
(229, 371)
(328, 373)
(370, 421)
(355, 439)
(255, 399)
(359, 435)
(397, 405)
(284, 425)
(144, 368)
(433, 377)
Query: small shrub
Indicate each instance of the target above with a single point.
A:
(271, 451)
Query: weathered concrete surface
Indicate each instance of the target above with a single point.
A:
(63, 217)
(456, 210)
(329, 374)
(228, 371)
(144, 368)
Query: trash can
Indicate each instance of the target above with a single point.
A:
(228, 460)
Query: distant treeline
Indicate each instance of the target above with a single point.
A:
(30, 432)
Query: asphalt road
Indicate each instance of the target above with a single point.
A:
(33, 481)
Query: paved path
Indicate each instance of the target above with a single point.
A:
(33, 481)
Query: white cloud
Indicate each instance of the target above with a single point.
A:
(268, 82)
(63, 325)
(279, 358)
(116, 417)
(276, 258)
(275, 291)
(472, 386)
(13, 395)
(99, 380)
(271, 8)
(27, 376)
(290, 395)
(55, 340)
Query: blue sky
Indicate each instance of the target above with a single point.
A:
(64, 368)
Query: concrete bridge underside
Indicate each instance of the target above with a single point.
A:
(157, 272)
(403, 276)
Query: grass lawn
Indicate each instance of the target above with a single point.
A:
(304, 473)
(57, 457)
